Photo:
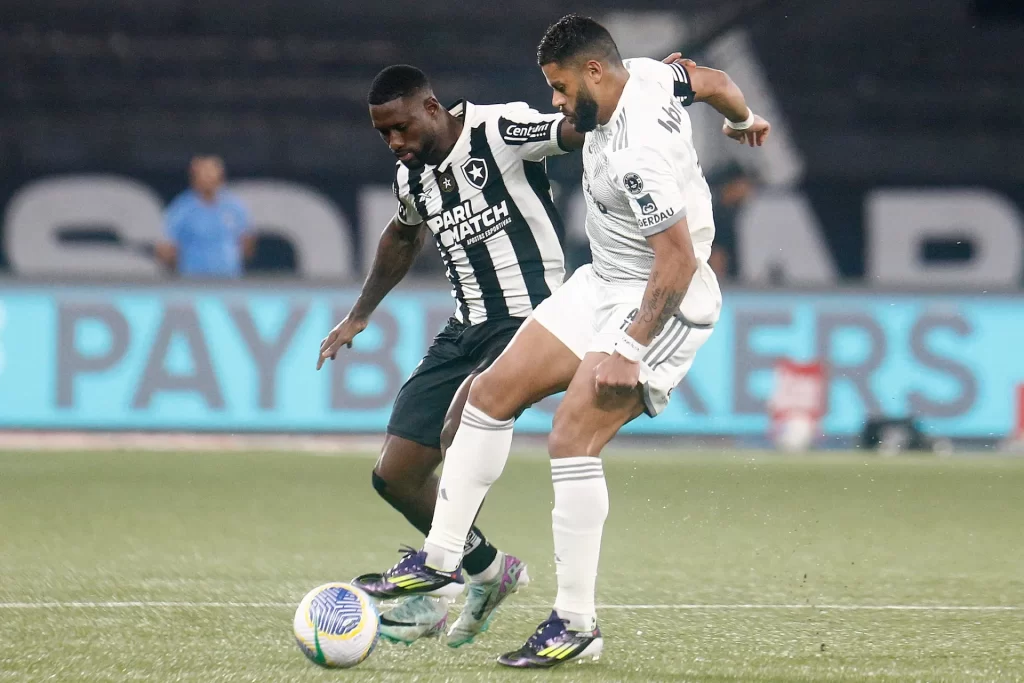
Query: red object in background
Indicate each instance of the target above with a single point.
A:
(1018, 429)
(801, 390)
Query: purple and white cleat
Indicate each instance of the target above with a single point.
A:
(412, 576)
(553, 644)
(484, 598)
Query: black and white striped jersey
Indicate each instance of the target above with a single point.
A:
(488, 206)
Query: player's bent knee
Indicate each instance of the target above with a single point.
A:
(380, 485)
(492, 396)
(400, 474)
(451, 425)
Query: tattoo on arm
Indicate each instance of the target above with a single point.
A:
(660, 306)
(395, 255)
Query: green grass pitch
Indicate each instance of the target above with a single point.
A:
(716, 567)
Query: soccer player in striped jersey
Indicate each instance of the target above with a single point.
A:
(618, 336)
(473, 178)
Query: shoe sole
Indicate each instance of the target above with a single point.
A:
(522, 581)
(590, 654)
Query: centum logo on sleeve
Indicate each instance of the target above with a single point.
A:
(647, 205)
(634, 184)
(516, 133)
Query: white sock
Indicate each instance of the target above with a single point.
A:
(472, 463)
(581, 506)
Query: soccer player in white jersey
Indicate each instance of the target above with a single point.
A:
(471, 176)
(618, 336)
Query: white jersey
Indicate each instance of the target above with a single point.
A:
(641, 175)
(488, 205)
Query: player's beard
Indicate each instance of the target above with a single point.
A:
(427, 153)
(585, 116)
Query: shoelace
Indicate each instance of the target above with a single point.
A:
(406, 551)
(535, 640)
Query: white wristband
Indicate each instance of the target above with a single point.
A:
(630, 348)
(742, 125)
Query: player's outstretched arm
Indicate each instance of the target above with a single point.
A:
(717, 89)
(398, 247)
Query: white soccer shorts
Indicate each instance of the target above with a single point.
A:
(587, 314)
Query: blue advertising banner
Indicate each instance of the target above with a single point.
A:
(242, 358)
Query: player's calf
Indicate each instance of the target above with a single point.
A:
(583, 425)
(414, 494)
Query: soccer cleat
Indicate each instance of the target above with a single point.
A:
(553, 644)
(412, 576)
(484, 599)
(412, 618)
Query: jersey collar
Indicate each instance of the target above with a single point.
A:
(463, 110)
(621, 104)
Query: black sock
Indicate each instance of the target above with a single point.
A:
(479, 554)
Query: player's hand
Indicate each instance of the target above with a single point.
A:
(342, 335)
(677, 58)
(754, 136)
(616, 375)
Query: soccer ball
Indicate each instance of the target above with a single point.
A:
(336, 625)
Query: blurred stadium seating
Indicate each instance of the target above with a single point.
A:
(879, 91)
(892, 117)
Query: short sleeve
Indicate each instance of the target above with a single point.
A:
(407, 213)
(531, 135)
(647, 180)
(673, 77)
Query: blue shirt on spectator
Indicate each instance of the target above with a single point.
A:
(207, 235)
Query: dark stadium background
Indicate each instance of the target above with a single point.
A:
(175, 475)
(886, 115)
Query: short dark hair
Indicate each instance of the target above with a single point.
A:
(574, 36)
(398, 80)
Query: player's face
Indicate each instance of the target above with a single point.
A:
(409, 126)
(572, 96)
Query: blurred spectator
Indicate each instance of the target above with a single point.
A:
(207, 227)
(730, 190)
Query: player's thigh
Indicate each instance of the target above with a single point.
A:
(454, 415)
(534, 366)
(587, 420)
(543, 356)
(418, 413)
(483, 344)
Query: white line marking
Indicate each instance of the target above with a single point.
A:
(695, 607)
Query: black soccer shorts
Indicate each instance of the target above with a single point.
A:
(457, 352)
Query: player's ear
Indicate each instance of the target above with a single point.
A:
(593, 70)
(431, 105)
